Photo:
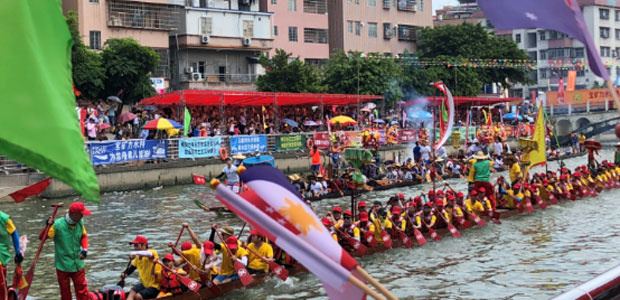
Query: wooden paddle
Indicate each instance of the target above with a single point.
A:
(455, 233)
(370, 239)
(385, 237)
(179, 237)
(357, 245)
(528, 205)
(186, 281)
(121, 283)
(277, 269)
(436, 237)
(419, 237)
(30, 274)
(540, 201)
(480, 222)
(242, 272)
(213, 288)
(199, 204)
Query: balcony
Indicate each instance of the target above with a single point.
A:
(407, 5)
(407, 33)
(142, 15)
(315, 7)
(215, 81)
(225, 23)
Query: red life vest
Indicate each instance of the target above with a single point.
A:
(170, 283)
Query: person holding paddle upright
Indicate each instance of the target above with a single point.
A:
(260, 251)
(231, 252)
(143, 261)
(70, 250)
(8, 235)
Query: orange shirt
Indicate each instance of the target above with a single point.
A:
(316, 157)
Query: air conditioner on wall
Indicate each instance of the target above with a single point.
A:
(247, 41)
(189, 70)
(196, 76)
(204, 39)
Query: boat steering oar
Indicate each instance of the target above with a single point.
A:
(213, 288)
(277, 269)
(242, 272)
(43, 236)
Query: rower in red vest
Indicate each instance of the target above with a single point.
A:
(169, 283)
(397, 220)
(367, 229)
(361, 208)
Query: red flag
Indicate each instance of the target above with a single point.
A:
(199, 180)
(32, 190)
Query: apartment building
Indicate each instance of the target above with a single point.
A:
(377, 26)
(217, 44)
(147, 21)
(300, 27)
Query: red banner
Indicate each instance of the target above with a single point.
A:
(321, 140)
(406, 135)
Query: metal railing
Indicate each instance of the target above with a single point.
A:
(580, 108)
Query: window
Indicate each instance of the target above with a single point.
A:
(543, 73)
(615, 53)
(579, 52)
(292, 5)
(604, 31)
(357, 2)
(93, 1)
(605, 51)
(358, 28)
(421, 5)
(275, 30)
(163, 67)
(315, 36)
(617, 15)
(518, 38)
(372, 3)
(542, 35)
(205, 26)
(387, 31)
(603, 13)
(95, 40)
(617, 34)
(543, 54)
(386, 4)
(406, 33)
(292, 34)
(372, 30)
(315, 6)
(350, 26)
(274, 2)
(248, 28)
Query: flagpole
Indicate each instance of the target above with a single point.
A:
(360, 271)
(612, 90)
(358, 283)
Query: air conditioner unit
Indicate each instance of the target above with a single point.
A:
(247, 41)
(245, 2)
(189, 70)
(196, 76)
(204, 39)
(414, 8)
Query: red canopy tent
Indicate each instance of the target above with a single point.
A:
(469, 101)
(239, 98)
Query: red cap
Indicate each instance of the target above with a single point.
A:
(186, 246)
(139, 240)
(501, 178)
(460, 194)
(427, 204)
(545, 182)
(586, 172)
(563, 177)
(451, 198)
(401, 196)
(364, 216)
(439, 202)
(440, 192)
(347, 213)
(431, 192)
(78, 208)
(254, 232)
(564, 170)
(526, 185)
(396, 209)
(168, 257)
(482, 190)
(326, 222)
(231, 242)
(208, 247)
(361, 204)
(578, 174)
(417, 199)
(473, 193)
(449, 192)
(337, 209)
(533, 188)
(517, 186)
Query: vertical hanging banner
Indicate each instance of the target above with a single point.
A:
(290, 142)
(570, 83)
(199, 147)
(248, 144)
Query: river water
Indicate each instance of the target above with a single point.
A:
(530, 256)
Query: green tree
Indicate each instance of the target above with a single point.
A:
(87, 70)
(466, 41)
(128, 66)
(284, 75)
(353, 73)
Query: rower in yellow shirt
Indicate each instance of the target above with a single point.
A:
(227, 271)
(427, 216)
(472, 205)
(257, 265)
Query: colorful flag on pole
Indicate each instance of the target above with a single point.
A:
(570, 82)
(449, 116)
(289, 227)
(32, 190)
(37, 117)
(561, 90)
(489, 119)
(560, 15)
(187, 121)
(539, 155)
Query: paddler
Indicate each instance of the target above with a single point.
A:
(426, 216)
(70, 250)
(482, 173)
(227, 272)
(515, 170)
(367, 229)
(409, 216)
(361, 208)
(454, 212)
(142, 257)
(473, 205)
(348, 227)
(257, 265)
(232, 178)
(330, 227)
(337, 214)
(169, 284)
(198, 256)
(397, 220)
(8, 235)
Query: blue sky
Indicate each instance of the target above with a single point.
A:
(437, 4)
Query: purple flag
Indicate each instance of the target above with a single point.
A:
(559, 15)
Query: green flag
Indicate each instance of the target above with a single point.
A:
(186, 121)
(39, 123)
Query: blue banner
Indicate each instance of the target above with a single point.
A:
(248, 144)
(124, 151)
(199, 147)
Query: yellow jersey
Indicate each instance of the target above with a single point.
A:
(474, 207)
(144, 265)
(227, 268)
(265, 250)
(471, 175)
(515, 172)
(193, 257)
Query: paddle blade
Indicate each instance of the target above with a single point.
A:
(572, 197)
(541, 202)
(278, 270)
(213, 288)
(528, 205)
(520, 207)
(463, 223)
(357, 245)
(190, 284)
(436, 237)
(406, 240)
(599, 189)
(419, 237)
(369, 237)
(199, 180)
(553, 199)
(385, 237)
(455, 233)
(244, 276)
(19, 282)
(477, 220)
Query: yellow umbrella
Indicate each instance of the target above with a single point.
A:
(343, 120)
